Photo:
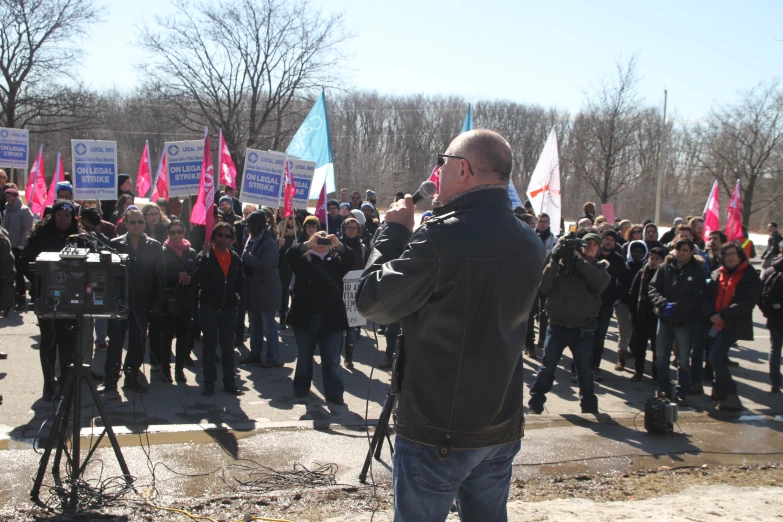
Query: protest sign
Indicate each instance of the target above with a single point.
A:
(303, 177)
(607, 209)
(350, 286)
(183, 161)
(13, 148)
(94, 169)
(262, 177)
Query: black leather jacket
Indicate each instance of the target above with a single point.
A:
(462, 286)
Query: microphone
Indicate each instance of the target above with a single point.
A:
(426, 190)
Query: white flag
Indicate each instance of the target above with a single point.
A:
(544, 188)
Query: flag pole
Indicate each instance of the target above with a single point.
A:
(659, 188)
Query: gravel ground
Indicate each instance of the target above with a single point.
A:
(601, 491)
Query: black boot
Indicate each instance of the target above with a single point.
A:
(179, 374)
(349, 356)
(165, 371)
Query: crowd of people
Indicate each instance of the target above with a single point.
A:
(685, 297)
(256, 268)
(690, 299)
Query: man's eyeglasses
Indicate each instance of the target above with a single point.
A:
(139, 222)
(442, 161)
(224, 236)
(176, 232)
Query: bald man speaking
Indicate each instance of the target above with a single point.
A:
(463, 287)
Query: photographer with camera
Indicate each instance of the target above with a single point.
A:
(573, 283)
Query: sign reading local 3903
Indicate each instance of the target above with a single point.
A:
(184, 159)
(94, 169)
(14, 144)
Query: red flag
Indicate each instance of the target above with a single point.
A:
(228, 171)
(712, 212)
(59, 175)
(161, 189)
(734, 221)
(289, 190)
(320, 207)
(143, 175)
(203, 213)
(35, 192)
(435, 178)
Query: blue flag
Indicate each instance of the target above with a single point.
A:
(467, 125)
(312, 142)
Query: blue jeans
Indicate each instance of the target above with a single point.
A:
(724, 385)
(425, 485)
(581, 344)
(682, 335)
(599, 338)
(218, 327)
(329, 345)
(776, 342)
(264, 323)
(699, 344)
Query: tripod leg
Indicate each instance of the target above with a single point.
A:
(78, 369)
(109, 431)
(55, 434)
(377, 438)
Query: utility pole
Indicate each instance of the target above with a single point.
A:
(661, 142)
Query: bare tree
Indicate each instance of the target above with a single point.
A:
(745, 141)
(37, 45)
(240, 66)
(604, 135)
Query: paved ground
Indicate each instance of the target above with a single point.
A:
(174, 427)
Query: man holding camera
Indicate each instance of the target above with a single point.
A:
(573, 283)
(462, 286)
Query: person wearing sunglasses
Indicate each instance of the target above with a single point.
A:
(177, 310)
(462, 286)
(146, 292)
(219, 276)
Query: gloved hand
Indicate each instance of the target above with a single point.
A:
(668, 310)
(555, 254)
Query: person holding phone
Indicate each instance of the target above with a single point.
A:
(317, 312)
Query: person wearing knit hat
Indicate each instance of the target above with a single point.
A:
(358, 215)
(64, 190)
(573, 282)
(333, 219)
(426, 216)
(372, 198)
(124, 185)
(310, 226)
(57, 339)
(345, 210)
(371, 222)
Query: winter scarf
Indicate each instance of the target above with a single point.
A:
(727, 284)
(179, 247)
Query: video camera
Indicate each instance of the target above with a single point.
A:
(568, 245)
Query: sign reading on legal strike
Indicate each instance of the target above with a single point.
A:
(262, 179)
(94, 169)
(350, 286)
(302, 172)
(13, 148)
(183, 161)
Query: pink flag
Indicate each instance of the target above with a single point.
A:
(59, 175)
(435, 178)
(320, 207)
(161, 189)
(203, 213)
(289, 190)
(712, 212)
(35, 192)
(143, 175)
(734, 221)
(228, 171)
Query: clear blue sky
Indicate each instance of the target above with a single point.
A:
(526, 51)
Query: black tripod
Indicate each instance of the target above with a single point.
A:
(70, 404)
(381, 429)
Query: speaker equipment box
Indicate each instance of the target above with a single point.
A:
(66, 288)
